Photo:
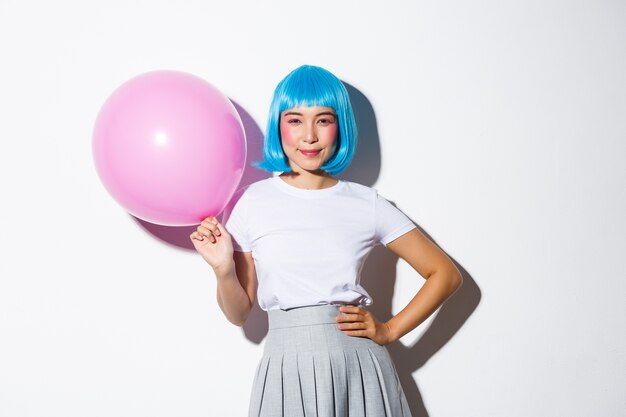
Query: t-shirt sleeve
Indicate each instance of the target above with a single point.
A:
(235, 215)
(391, 223)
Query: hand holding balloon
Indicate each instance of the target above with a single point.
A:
(213, 242)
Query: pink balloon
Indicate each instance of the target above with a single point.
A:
(169, 147)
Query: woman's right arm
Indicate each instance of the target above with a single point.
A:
(234, 270)
(236, 288)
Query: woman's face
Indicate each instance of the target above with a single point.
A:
(308, 136)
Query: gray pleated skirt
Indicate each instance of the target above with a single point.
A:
(310, 368)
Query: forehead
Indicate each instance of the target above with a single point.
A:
(308, 110)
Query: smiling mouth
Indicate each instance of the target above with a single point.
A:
(310, 153)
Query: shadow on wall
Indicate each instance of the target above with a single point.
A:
(379, 277)
(378, 273)
(256, 326)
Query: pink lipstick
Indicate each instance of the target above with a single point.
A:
(310, 153)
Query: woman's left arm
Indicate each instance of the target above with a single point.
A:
(442, 280)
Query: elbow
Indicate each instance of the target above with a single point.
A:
(238, 323)
(456, 280)
(241, 319)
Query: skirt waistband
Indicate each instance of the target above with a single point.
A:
(303, 316)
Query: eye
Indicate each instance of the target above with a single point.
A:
(326, 121)
(293, 121)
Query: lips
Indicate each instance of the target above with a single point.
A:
(310, 153)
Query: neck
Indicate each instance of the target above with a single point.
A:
(309, 180)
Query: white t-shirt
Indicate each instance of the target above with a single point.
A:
(309, 246)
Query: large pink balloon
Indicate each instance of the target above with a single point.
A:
(169, 147)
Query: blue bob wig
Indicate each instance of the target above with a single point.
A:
(310, 86)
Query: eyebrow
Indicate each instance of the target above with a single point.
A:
(325, 113)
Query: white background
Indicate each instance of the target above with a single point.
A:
(499, 127)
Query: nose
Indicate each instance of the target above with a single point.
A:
(310, 135)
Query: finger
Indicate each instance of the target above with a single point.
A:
(205, 232)
(212, 225)
(350, 309)
(218, 229)
(196, 236)
(359, 333)
(349, 317)
(203, 229)
(359, 325)
(201, 237)
(208, 224)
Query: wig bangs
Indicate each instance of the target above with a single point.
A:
(304, 90)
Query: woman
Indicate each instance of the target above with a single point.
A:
(298, 241)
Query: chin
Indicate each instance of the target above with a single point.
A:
(308, 168)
